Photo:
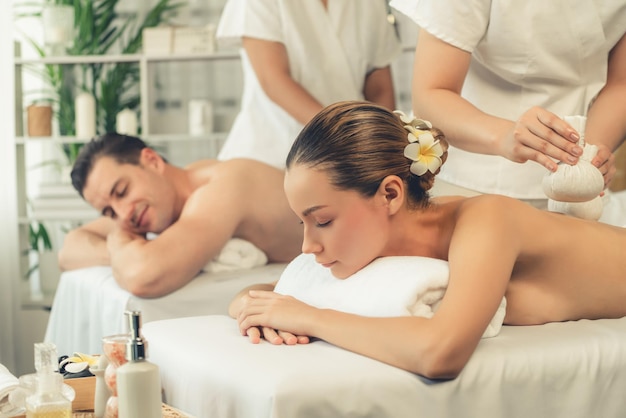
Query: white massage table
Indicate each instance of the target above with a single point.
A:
(89, 304)
(570, 370)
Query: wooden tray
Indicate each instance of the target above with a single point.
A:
(82, 406)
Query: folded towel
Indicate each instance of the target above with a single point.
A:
(388, 286)
(8, 383)
(237, 254)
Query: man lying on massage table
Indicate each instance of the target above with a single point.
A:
(361, 190)
(195, 210)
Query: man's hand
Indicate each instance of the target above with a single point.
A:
(119, 238)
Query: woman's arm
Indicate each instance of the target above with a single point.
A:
(271, 65)
(415, 344)
(606, 121)
(438, 76)
(378, 88)
(234, 309)
(274, 335)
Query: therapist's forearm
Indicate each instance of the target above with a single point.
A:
(469, 129)
(606, 120)
(293, 98)
(379, 89)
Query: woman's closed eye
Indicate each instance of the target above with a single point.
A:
(319, 224)
(322, 224)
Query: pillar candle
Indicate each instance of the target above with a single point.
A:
(85, 111)
(126, 122)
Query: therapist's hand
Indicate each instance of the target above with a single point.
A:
(605, 162)
(541, 136)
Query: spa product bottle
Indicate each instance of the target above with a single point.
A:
(48, 400)
(138, 381)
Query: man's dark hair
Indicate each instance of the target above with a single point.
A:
(124, 149)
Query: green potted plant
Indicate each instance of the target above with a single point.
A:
(38, 240)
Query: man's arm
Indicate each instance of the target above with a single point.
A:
(154, 268)
(85, 246)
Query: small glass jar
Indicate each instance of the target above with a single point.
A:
(114, 347)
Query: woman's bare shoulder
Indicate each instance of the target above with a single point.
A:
(493, 213)
(493, 203)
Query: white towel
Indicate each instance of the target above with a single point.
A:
(237, 254)
(8, 383)
(388, 286)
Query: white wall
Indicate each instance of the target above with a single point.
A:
(9, 253)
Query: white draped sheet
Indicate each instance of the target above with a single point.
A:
(570, 370)
(89, 304)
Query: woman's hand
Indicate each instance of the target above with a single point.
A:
(541, 136)
(605, 162)
(279, 319)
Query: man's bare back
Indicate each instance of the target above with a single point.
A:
(270, 224)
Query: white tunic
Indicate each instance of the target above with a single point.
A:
(330, 54)
(525, 53)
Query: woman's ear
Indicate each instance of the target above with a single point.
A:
(151, 158)
(391, 192)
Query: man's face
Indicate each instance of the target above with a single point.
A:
(137, 197)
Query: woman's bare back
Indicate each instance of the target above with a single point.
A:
(567, 269)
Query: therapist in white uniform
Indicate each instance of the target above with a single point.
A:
(497, 76)
(299, 56)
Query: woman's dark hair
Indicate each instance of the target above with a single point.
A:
(123, 149)
(358, 144)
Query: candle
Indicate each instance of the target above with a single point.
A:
(200, 117)
(85, 111)
(126, 122)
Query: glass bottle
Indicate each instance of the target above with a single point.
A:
(114, 347)
(48, 400)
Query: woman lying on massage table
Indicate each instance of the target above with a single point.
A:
(361, 190)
